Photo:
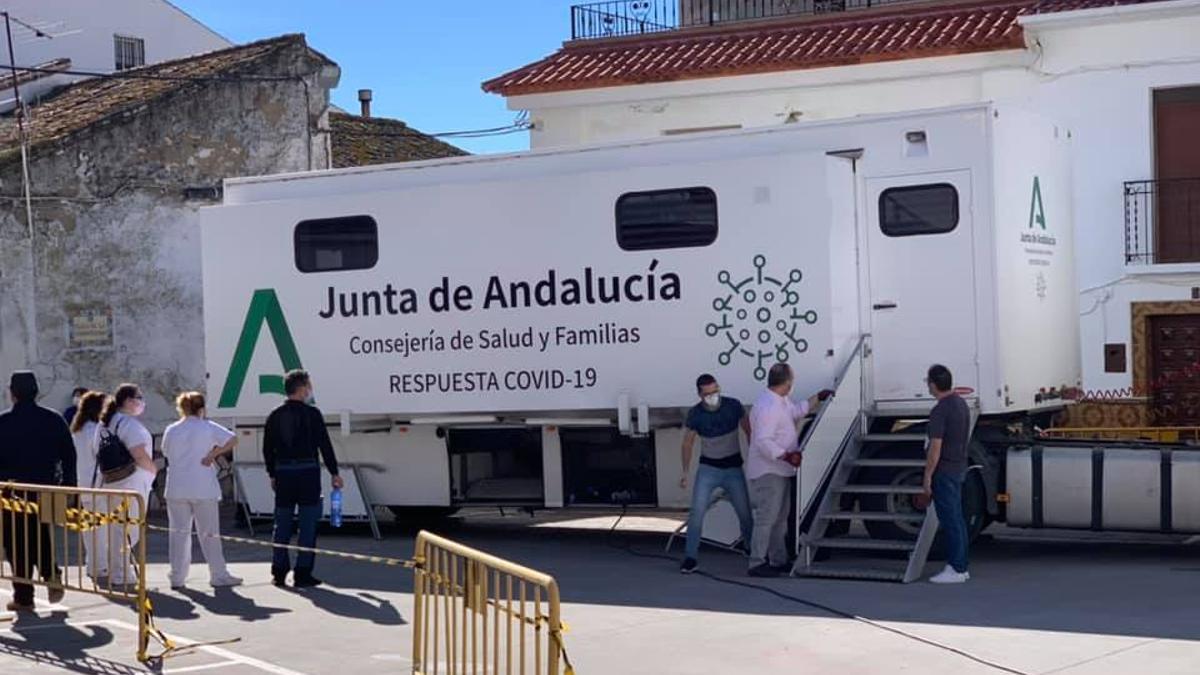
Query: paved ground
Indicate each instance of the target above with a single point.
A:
(1069, 606)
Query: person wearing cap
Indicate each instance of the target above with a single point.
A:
(35, 447)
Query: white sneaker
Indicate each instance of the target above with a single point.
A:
(948, 575)
(226, 581)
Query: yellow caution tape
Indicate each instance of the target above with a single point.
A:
(408, 563)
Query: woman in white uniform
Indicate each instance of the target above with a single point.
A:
(121, 418)
(191, 447)
(85, 429)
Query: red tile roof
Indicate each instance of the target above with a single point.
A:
(905, 32)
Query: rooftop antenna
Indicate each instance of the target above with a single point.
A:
(20, 114)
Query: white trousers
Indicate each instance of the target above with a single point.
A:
(95, 541)
(207, 516)
(122, 541)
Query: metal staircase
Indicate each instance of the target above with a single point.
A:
(858, 519)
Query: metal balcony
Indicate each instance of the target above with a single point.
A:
(619, 18)
(1162, 221)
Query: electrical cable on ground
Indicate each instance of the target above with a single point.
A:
(628, 548)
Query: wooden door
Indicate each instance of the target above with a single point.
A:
(1175, 370)
(1177, 171)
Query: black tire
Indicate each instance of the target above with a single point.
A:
(974, 496)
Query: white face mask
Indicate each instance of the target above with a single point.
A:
(75, 401)
(712, 400)
(138, 408)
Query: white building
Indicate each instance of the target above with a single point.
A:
(1123, 76)
(94, 36)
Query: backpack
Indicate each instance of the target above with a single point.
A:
(113, 459)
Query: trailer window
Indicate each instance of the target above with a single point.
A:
(337, 244)
(918, 209)
(677, 218)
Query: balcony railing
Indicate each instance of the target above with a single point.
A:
(618, 18)
(1162, 221)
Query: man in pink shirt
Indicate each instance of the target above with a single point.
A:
(773, 458)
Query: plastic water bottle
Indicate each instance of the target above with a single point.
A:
(335, 508)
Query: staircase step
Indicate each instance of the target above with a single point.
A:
(878, 516)
(864, 544)
(884, 462)
(880, 489)
(828, 571)
(894, 438)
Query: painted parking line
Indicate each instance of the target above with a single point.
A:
(232, 658)
(203, 666)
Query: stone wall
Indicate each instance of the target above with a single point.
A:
(116, 228)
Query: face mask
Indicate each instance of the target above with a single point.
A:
(139, 407)
(75, 401)
(311, 399)
(712, 400)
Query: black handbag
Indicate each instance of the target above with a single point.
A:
(113, 458)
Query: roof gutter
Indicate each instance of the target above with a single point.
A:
(1099, 16)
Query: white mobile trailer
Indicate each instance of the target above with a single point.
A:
(526, 329)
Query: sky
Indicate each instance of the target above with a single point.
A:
(423, 59)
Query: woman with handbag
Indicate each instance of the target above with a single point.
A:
(192, 446)
(85, 431)
(126, 463)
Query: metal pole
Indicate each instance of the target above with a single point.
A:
(12, 64)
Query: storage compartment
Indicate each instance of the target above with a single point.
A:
(603, 467)
(496, 466)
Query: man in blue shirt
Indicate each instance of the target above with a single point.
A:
(716, 421)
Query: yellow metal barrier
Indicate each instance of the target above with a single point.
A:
(1149, 434)
(79, 539)
(476, 613)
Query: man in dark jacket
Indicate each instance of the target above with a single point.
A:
(295, 432)
(35, 447)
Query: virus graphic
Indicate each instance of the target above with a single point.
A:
(1041, 285)
(760, 318)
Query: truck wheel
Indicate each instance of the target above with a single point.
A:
(974, 497)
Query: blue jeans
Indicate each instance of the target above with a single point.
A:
(297, 488)
(947, 499)
(310, 515)
(708, 479)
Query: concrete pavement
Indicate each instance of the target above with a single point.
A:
(1079, 606)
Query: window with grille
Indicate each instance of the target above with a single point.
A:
(130, 52)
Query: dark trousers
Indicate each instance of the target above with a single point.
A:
(297, 488)
(947, 499)
(21, 548)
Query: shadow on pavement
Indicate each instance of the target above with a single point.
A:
(227, 602)
(167, 606)
(52, 642)
(363, 606)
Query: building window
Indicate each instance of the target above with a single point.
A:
(677, 218)
(918, 209)
(337, 244)
(130, 52)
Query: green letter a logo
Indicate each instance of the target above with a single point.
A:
(1037, 213)
(264, 307)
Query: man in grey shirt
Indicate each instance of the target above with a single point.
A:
(715, 420)
(945, 469)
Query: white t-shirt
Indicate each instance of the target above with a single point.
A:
(132, 432)
(85, 455)
(185, 444)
